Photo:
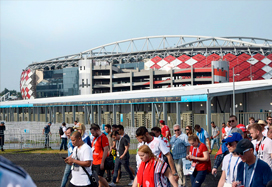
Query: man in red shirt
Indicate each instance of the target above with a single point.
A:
(165, 130)
(100, 147)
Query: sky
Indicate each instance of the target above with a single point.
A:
(35, 31)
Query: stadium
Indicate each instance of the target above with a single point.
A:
(181, 79)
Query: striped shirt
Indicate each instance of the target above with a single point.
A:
(159, 179)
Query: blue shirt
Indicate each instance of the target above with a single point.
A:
(262, 174)
(202, 135)
(179, 145)
(46, 129)
(70, 148)
(86, 139)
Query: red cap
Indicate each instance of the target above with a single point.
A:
(162, 122)
(242, 127)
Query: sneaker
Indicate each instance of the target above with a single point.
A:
(131, 182)
(112, 184)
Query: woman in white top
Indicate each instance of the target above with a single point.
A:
(230, 161)
(82, 157)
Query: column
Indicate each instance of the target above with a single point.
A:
(63, 113)
(38, 113)
(45, 112)
(131, 80)
(85, 115)
(23, 111)
(114, 114)
(164, 105)
(17, 110)
(110, 77)
(178, 121)
(151, 78)
(74, 113)
(91, 75)
(99, 114)
(132, 114)
(171, 75)
(153, 116)
(208, 114)
(192, 75)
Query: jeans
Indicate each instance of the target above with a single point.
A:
(215, 140)
(63, 144)
(118, 163)
(46, 142)
(66, 174)
(179, 168)
(197, 178)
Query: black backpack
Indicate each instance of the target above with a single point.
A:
(61, 131)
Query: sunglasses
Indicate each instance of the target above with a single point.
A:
(187, 129)
(176, 130)
(231, 121)
(243, 152)
(230, 144)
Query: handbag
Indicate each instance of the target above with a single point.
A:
(186, 164)
(93, 178)
(108, 164)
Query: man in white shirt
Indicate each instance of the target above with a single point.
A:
(63, 137)
(82, 157)
(264, 127)
(157, 146)
(262, 145)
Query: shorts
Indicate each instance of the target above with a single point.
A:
(98, 170)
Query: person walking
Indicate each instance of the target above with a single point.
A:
(180, 148)
(203, 136)
(2, 135)
(201, 161)
(46, 132)
(262, 144)
(63, 137)
(122, 158)
(67, 170)
(84, 136)
(157, 146)
(100, 147)
(153, 172)
(215, 136)
(110, 139)
(165, 130)
(230, 161)
(251, 171)
(81, 157)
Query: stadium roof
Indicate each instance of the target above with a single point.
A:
(136, 49)
(166, 95)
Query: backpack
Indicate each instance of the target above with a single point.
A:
(61, 131)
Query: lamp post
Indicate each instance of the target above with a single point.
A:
(233, 75)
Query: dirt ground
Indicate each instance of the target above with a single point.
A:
(47, 170)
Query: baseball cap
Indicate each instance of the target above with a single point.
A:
(261, 122)
(242, 127)
(233, 137)
(49, 122)
(243, 145)
(161, 121)
(2, 122)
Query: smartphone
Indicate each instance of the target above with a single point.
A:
(63, 157)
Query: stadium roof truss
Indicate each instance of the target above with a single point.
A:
(137, 49)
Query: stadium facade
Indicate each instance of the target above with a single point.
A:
(150, 63)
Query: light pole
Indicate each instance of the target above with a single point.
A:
(233, 75)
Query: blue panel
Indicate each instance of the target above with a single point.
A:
(15, 106)
(121, 118)
(194, 98)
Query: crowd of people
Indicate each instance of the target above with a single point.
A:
(245, 152)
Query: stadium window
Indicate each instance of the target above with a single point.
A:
(82, 83)
(80, 67)
(84, 67)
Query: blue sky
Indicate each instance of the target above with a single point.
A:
(34, 31)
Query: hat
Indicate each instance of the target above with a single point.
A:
(161, 121)
(49, 122)
(261, 122)
(2, 122)
(242, 127)
(243, 145)
(233, 137)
